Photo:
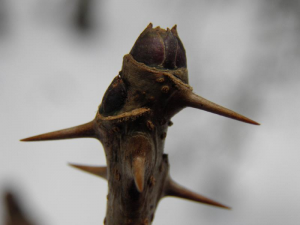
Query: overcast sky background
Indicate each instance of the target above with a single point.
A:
(244, 55)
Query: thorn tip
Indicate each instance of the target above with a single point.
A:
(174, 189)
(100, 171)
(195, 101)
(81, 131)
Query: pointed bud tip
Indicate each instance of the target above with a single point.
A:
(174, 30)
(139, 186)
(138, 171)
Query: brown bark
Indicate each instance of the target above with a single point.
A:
(132, 124)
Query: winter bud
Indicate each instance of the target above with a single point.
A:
(159, 48)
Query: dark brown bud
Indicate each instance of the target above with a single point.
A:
(114, 97)
(159, 48)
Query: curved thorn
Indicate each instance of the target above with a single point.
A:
(195, 101)
(100, 171)
(174, 189)
(81, 131)
(138, 170)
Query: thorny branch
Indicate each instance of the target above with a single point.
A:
(132, 123)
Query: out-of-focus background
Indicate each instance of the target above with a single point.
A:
(58, 57)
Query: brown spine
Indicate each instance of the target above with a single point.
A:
(82, 131)
(100, 171)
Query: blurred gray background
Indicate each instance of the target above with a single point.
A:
(58, 57)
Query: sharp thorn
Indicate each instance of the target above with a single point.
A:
(81, 131)
(195, 101)
(138, 170)
(100, 171)
(175, 190)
